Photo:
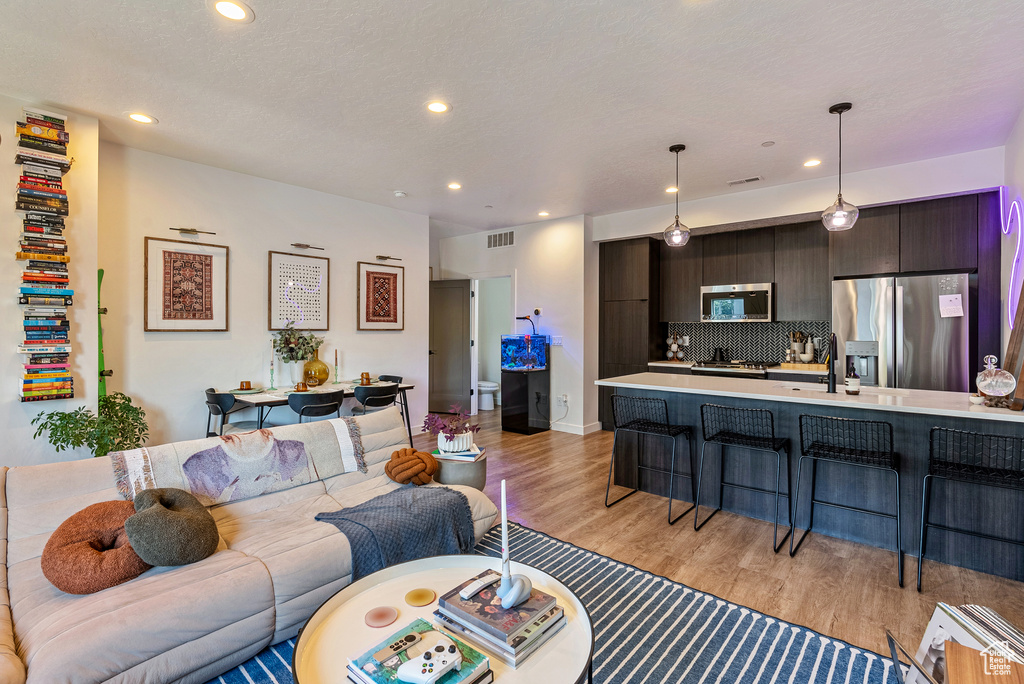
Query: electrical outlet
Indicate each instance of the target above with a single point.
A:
(565, 400)
(562, 400)
(537, 311)
(556, 341)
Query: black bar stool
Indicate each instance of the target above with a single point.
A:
(751, 429)
(860, 443)
(648, 416)
(974, 457)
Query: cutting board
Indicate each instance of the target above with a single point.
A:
(823, 367)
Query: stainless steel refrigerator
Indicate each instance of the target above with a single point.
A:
(909, 332)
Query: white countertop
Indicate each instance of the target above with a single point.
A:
(771, 369)
(927, 402)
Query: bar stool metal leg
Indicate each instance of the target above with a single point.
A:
(696, 498)
(796, 505)
(611, 468)
(776, 544)
(926, 500)
(899, 535)
(671, 482)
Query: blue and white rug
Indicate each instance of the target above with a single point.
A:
(652, 630)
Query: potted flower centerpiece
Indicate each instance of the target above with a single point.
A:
(296, 348)
(453, 431)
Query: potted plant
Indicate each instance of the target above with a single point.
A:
(120, 425)
(296, 348)
(453, 431)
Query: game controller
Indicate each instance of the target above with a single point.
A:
(441, 656)
(396, 647)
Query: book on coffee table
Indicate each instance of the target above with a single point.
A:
(522, 647)
(483, 612)
(472, 454)
(380, 664)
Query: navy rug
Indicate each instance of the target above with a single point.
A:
(650, 629)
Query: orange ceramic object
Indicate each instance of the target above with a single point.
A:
(382, 616)
(420, 597)
(364, 378)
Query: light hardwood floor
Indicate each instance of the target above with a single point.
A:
(556, 483)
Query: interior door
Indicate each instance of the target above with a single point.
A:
(450, 368)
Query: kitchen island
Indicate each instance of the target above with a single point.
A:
(912, 413)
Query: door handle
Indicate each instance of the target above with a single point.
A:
(431, 352)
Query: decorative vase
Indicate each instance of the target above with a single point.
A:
(463, 442)
(316, 371)
(293, 371)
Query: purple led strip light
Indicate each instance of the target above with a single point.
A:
(291, 283)
(1014, 212)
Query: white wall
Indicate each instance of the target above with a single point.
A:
(144, 194)
(1014, 181)
(81, 181)
(494, 302)
(944, 175)
(548, 262)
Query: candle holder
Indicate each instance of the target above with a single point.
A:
(271, 379)
(336, 381)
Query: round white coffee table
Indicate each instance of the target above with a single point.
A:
(337, 632)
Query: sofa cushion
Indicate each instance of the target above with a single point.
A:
(93, 638)
(408, 465)
(171, 527)
(90, 551)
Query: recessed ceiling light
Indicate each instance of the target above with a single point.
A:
(438, 107)
(672, 189)
(400, 193)
(767, 143)
(812, 162)
(234, 10)
(454, 186)
(141, 118)
(543, 213)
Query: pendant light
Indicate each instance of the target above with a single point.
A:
(841, 215)
(677, 234)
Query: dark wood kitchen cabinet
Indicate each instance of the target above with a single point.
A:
(803, 291)
(871, 247)
(745, 256)
(681, 278)
(628, 269)
(939, 235)
(719, 262)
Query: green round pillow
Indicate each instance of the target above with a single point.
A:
(171, 527)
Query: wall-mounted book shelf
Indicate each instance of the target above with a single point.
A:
(45, 293)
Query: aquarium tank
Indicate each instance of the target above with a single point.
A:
(524, 352)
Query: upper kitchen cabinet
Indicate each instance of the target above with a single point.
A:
(719, 262)
(629, 269)
(939, 234)
(681, 278)
(755, 256)
(802, 288)
(871, 247)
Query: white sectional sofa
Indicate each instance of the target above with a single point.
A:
(274, 567)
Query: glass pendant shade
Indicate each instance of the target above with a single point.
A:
(840, 216)
(677, 234)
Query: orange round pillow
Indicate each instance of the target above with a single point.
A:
(408, 465)
(90, 552)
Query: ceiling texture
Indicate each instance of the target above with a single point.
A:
(567, 107)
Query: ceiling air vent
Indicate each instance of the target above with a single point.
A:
(744, 181)
(506, 238)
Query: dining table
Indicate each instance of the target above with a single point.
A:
(267, 398)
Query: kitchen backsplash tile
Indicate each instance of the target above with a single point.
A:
(747, 341)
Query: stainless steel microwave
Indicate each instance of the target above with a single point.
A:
(750, 303)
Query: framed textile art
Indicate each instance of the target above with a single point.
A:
(298, 291)
(186, 286)
(380, 296)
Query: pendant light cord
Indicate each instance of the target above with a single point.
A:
(840, 154)
(677, 188)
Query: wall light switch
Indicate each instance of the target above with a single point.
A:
(556, 341)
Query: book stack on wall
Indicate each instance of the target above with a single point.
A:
(511, 635)
(45, 292)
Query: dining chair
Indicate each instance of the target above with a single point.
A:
(402, 401)
(316, 404)
(372, 398)
(220, 406)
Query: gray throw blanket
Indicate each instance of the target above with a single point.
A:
(403, 525)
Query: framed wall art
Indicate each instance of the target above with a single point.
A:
(186, 286)
(380, 296)
(298, 291)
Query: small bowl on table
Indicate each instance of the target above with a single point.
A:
(806, 358)
(976, 398)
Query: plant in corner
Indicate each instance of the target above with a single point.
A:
(119, 425)
(453, 431)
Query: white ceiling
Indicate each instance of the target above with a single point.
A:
(563, 106)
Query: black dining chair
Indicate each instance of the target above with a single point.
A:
(374, 398)
(316, 404)
(220, 406)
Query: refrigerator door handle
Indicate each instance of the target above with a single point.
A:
(900, 380)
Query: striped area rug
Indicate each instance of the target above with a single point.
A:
(652, 630)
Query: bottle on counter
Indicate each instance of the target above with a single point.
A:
(852, 380)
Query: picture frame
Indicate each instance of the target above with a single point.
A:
(380, 296)
(298, 290)
(185, 286)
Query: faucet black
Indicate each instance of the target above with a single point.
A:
(832, 364)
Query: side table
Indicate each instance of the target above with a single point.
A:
(469, 473)
(337, 631)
